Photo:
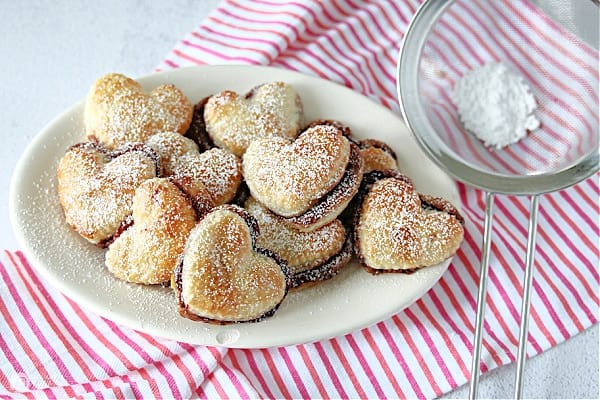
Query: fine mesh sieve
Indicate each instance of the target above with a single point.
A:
(553, 46)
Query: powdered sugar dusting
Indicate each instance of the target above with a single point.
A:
(217, 169)
(305, 169)
(117, 111)
(495, 104)
(395, 232)
(301, 250)
(271, 109)
(96, 190)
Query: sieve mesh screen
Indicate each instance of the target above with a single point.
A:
(560, 68)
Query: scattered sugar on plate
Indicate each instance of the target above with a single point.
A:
(495, 104)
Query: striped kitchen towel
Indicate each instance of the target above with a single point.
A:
(53, 348)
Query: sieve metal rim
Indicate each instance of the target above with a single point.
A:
(415, 117)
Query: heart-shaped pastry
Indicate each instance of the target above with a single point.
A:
(312, 256)
(397, 231)
(377, 155)
(118, 111)
(234, 121)
(96, 186)
(308, 181)
(148, 250)
(218, 170)
(223, 277)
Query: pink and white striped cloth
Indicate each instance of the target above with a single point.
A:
(53, 348)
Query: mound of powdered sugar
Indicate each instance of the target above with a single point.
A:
(495, 104)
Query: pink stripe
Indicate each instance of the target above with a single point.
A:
(432, 347)
(550, 280)
(214, 33)
(556, 268)
(213, 53)
(212, 40)
(31, 274)
(171, 63)
(448, 341)
(254, 32)
(310, 366)
(101, 336)
(468, 322)
(6, 351)
(389, 338)
(476, 249)
(591, 268)
(562, 34)
(350, 372)
(583, 195)
(358, 38)
(330, 370)
(276, 375)
(382, 361)
(314, 66)
(382, 69)
(293, 372)
(235, 382)
(349, 52)
(256, 370)
(560, 210)
(365, 365)
(243, 9)
(149, 360)
(542, 296)
(540, 86)
(35, 329)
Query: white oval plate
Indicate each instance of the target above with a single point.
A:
(351, 301)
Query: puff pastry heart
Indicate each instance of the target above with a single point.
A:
(118, 111)
(96, 186)
(399, 230)
(218, 170)
(148, 250)
(223, 277)
(312, 256)
(233, 121)
(289, 177)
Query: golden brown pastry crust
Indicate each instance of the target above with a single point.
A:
(311, 256)
(377, 155)
(293, 178)
(218, 170)
(96, 186)
(118, 111)
(223, 277)
(336, 200)
(232, 121)
(395, 231)
(148, 250)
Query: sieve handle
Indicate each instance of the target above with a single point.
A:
(481, 295)
(527, 283)
(483, 278)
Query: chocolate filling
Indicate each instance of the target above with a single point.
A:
(197, 130)
(328, 269)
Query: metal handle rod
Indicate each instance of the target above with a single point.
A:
(483, 278)
(527, 283)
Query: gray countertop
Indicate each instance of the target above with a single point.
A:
(52, 52)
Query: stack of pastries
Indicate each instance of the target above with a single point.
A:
(236, 200)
